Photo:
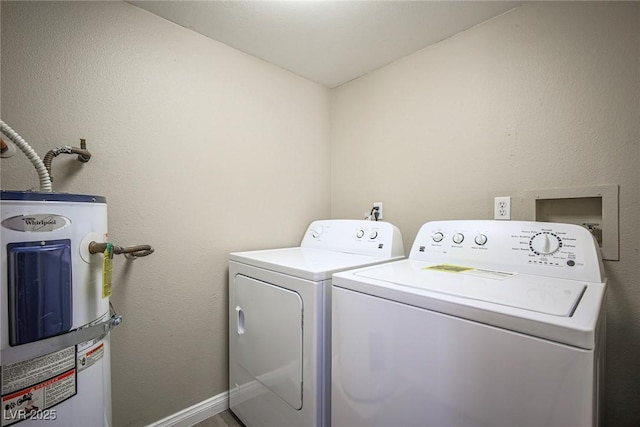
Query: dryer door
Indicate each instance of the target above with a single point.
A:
(269, 336)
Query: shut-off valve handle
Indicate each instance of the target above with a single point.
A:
(130, 252)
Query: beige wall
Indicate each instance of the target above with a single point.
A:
(544, 96)
(199, 149)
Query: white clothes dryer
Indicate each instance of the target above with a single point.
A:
(487, 323)
(280, 320)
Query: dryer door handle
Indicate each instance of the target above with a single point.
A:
(239, 320)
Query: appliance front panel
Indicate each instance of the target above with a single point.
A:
(395, 364)
(268, 330)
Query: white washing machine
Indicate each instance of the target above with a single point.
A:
(487, 323)
(280, 320)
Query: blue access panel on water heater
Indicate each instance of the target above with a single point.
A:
(39, 290)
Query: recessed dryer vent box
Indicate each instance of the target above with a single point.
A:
(595, 208)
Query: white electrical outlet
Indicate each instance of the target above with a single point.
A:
(502, 208)
(379, 206)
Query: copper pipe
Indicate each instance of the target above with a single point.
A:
(129, 251)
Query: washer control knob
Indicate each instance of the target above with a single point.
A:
(481, 239)
(545, 243)
(373, 234)
(360, 233)
(458, 238)
(438, 236)
(317, 231)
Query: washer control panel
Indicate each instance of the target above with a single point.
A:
(377, 238)
(541, 248)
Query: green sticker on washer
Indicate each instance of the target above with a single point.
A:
(449, 268)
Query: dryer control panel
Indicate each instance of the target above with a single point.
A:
(373, 238)
(538, 248)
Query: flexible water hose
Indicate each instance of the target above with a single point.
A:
(45, 180)
(83, 155)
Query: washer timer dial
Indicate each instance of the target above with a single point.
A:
(545, 243)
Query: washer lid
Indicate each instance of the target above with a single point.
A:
(560, 310)
(305, 263)
(551, 296)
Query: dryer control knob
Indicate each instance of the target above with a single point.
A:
(437, 237)
(317, 231)
(360, 233)
(458, 238)
(373, 234)
(481, 239)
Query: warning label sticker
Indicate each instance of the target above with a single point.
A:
(31, 387)
(24, 374)
(90, 353)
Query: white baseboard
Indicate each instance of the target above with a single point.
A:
(196, 413)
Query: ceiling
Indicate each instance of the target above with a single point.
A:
(329, 42)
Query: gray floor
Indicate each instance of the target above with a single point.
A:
(223, 419)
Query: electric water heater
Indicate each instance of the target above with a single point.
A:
(55, 314)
